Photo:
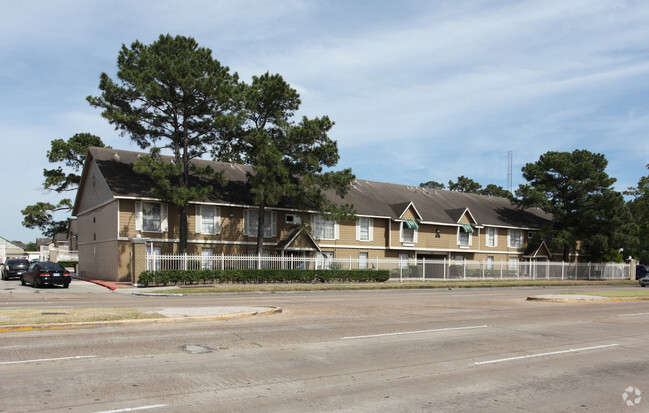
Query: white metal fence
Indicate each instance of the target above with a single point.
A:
(401, 268)
(57, 254)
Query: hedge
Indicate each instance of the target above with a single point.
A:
(68, 263)
(250, 276)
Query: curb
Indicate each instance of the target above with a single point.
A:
(584, 299)
(95, 324)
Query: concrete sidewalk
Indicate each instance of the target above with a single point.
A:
(576, 298)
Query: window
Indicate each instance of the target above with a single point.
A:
(323, 228)
(208, 219)
(515, 238)
(492, 237)
(293, 219)
(464, 238)
(207, 258)
(324, 260)
(403, 261)
(362, 260)
(364, 229)
(151, 217)
(490, 263)
(408, 235)
(251, 223)
(513, 264)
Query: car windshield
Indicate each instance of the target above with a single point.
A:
(18, 262)
(50, 266)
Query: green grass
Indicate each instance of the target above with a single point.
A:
(391, 285)
(615, 294)
(70, 315)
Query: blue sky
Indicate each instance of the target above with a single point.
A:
(419, 90)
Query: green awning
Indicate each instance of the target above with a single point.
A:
(467, 228)
(412, 224)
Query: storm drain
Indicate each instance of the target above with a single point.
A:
(195, 349)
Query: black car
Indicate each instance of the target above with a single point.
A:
(46, 273)
(641, 271)
(14, 268)
(644, 281)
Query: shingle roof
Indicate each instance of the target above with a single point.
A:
(377, 199)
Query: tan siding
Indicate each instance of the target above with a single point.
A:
(95, 191)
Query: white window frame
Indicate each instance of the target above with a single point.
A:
(363, 259)
(490, 262)
(200, 221)
(251, 223)
(324, 260)
(404, 260)
(511, 238)
(469, 240)
(365, 229)
(324, 229)
(207, 258)
(403, 229)
(492, 237)
(513, 264)
(140, 210)
(292, 219)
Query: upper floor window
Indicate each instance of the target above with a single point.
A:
(324, 228)
(515, 238)
(409, 233)
(364, 229)
(251, 223)
(151, 217)
(208, 219)
(464, 238)
(492, 237)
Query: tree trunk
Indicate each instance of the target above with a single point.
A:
(182, 246)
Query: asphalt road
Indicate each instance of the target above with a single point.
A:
(485, 350)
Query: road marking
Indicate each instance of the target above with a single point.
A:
(132, 409)
(631, 315)
(572, 350)
(39, 360)
(414, 332)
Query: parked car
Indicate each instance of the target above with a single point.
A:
(46, 273)
(641, 271)
(14, 268)
(644, 281)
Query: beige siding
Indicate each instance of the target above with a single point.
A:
(97, 239)
(95, 191)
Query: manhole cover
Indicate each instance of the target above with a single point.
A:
(195, 349)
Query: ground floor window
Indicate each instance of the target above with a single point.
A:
(362, 260)
(207, 258)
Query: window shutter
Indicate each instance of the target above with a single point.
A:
(336, 230)
(371, 229)
(246, 222)
(138, 216)
(199, 223)
(164, 221)
(273, 228)
(217, 220)
(358, 230)
(415, 235)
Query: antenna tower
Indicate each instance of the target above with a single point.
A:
(509, 171)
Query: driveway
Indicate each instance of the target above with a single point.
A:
(76, 287)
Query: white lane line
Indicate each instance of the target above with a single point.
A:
(415, 332)
(54, 359)
(631, 315)
(133, 409)
(572, 350)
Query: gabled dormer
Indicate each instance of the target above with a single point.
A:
(408, 218)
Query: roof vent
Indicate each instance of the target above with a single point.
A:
(116, 156)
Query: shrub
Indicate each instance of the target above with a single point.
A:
(249, 276)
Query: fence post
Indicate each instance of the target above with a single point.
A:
(484, 266)
(464, 268)
(423, 270)
(444, 268)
